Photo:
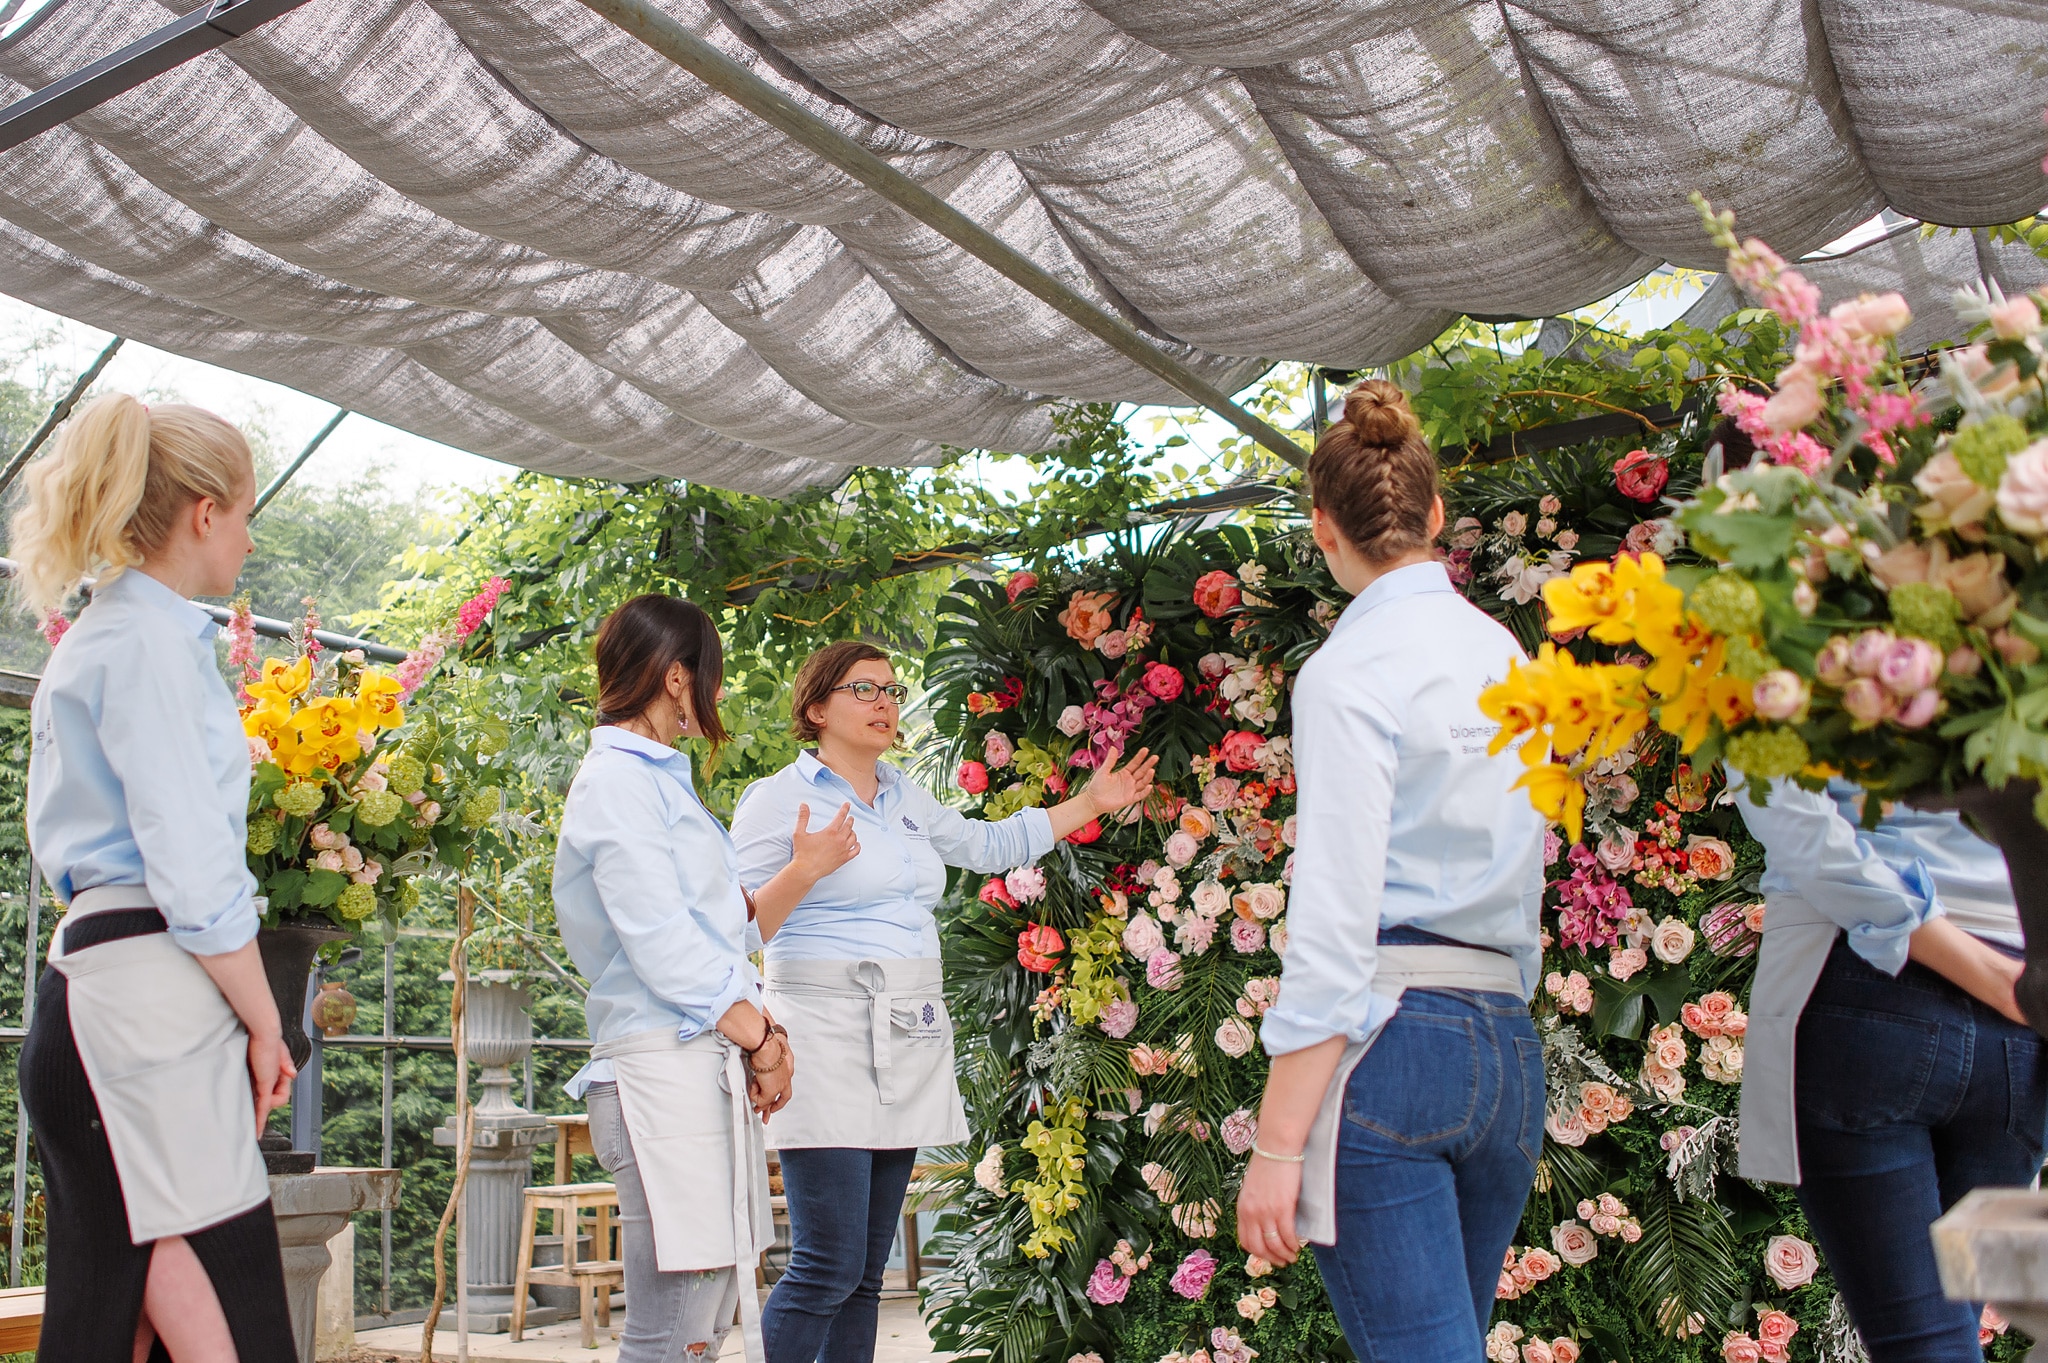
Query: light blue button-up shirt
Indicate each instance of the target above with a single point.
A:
(647, 898)
(879, 905)
(1401, 816)
(139, 773)
(1879, 884)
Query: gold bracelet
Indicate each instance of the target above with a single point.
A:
(1280, 1159)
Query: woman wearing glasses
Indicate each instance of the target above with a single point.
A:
(845, 911)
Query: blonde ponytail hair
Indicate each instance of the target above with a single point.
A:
(121, 475)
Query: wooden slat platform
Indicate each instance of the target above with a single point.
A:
(21, 1319)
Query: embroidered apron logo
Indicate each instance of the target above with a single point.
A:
(927, 1022)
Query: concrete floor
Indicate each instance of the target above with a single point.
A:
(901, 1338)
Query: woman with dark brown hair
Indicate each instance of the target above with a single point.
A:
(853, 968)
(686, 1064)
(1404, 1112)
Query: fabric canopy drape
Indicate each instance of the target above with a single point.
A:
(507, 225)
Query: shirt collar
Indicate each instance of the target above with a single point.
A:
(146, 593)
(1417, 579)
(812, 770)
(612, 736)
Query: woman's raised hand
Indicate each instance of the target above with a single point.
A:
(821, 853)
(1110, 789)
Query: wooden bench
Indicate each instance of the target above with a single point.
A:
(21, 1319)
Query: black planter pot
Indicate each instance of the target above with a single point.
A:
(287, 951)
(2006, 817)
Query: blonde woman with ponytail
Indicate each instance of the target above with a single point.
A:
(156, 1052)
(1404, 1111)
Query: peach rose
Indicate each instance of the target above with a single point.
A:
(1087, 617)
(1566, 1127)
(1198, 823)
(1259, 901)
(1667, 1084)
(1574, 1243)
(1536, 1351)
(2023, 491)
(1790, 1261)
(1667, 1047)
(1740, 1348)
(1776, 1327)
(1564, 1349)
(1596, 1098)
(1979, 585)
(1540, 1263)
(1908, 562)
(1626, 961)
(1672, 941)
(1954, 500)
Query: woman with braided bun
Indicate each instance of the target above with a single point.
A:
(156, 1050)
(1404, 1112)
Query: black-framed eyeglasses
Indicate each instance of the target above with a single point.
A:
(866, 691)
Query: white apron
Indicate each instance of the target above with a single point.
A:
(1400, 969)
(168, 1062)
(707, 1192)
(874, 1055)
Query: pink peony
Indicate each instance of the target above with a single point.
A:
(1164, 681)
(1790, 1261)
(1118, 1017)
(1162, 970)
(1191, 1277)
(1018, 584)
(1247, 936)
(1026, 883)
(1220, 794)
(972, 778)
(1640, 475)
(998, 749)
(1240, 750)
(1868, 650)
(1143, 936)
(1087, 617)
(1113, 644)
(1106, 1286)
(1919, 711)
(1217, 593)
(2023, 491)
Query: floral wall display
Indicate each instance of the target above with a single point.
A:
(1108, 999)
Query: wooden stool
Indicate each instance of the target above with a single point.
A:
(572, 1138)
(594, 1280)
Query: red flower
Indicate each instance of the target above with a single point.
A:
(1019, 584)
(1164, 681)
(1641, 475)
(997, 895)
(1038, 948)
(1086, 833)
(1217, 592)
(1240, 751)
(973, 777)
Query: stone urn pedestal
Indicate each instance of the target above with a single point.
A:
(503, 1136)
(1993, 1247)
(311, 1208)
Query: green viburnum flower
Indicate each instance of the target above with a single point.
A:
(1768, 754)
(480, 806)
(1746, 660)
(1928, 611)
(1982, 447)
(406, 775)
(300, 799)
(408, 895)
(375, 808)
(1727, 603)
(262, 835)
(357, 902)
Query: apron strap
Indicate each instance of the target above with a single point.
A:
(873, 977)
(746, 1252)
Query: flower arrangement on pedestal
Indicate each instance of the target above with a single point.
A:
(356, 788)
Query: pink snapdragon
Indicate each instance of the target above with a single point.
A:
(477, 607)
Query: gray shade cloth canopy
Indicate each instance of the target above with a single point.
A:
(509, 226)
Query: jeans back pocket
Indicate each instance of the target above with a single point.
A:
(1418, 1084)
(1858, 1069)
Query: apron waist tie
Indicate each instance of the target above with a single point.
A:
(866, 980)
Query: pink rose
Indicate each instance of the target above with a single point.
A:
(1247, 936)
(1143, 937)
(1627, 961)
(1564, 1349)
(1617, 849)
(1919, 712)
(1574, 1243)
(1866, 702)
(1566, 1127)
(2015, 319)
(1910, 666)
(1113, 644)
(998, 749)
(1641, 475)
(1106, 1286)
(1240, 750)
(972, 778)
(1832, 664)
(2023, 492)
(1018, 584)
(1259, 901)
(1216, 593)
(1539, 1263)
(1775, 1327)
(1162, 970)
(1072, 721)
(1180, 849)
(1210, 899)
(1536, 1351)
(1191, 1277)
(1740, 1348)
(1953, 496)
(1235, 1037)
(1779, 694)
(1790, 1261)
(1867, 651)
(1164, 681)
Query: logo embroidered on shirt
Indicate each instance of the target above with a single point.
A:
(908, 824)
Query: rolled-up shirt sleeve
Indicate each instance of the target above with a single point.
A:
(194, 852)
(987, 846)
(1811, 848)
(653, 879)
(1345, 760)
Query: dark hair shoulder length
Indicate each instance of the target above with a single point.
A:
(636, 645)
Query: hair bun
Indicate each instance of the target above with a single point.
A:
(1379, 412)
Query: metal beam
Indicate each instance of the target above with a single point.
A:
(201, 31)
(61, 410)
(277, 483)
(734, 80)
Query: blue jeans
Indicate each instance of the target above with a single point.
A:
(1909, 1094)
(844, 1205)
(1443, 1121)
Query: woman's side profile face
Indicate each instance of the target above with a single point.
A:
(862, 725)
